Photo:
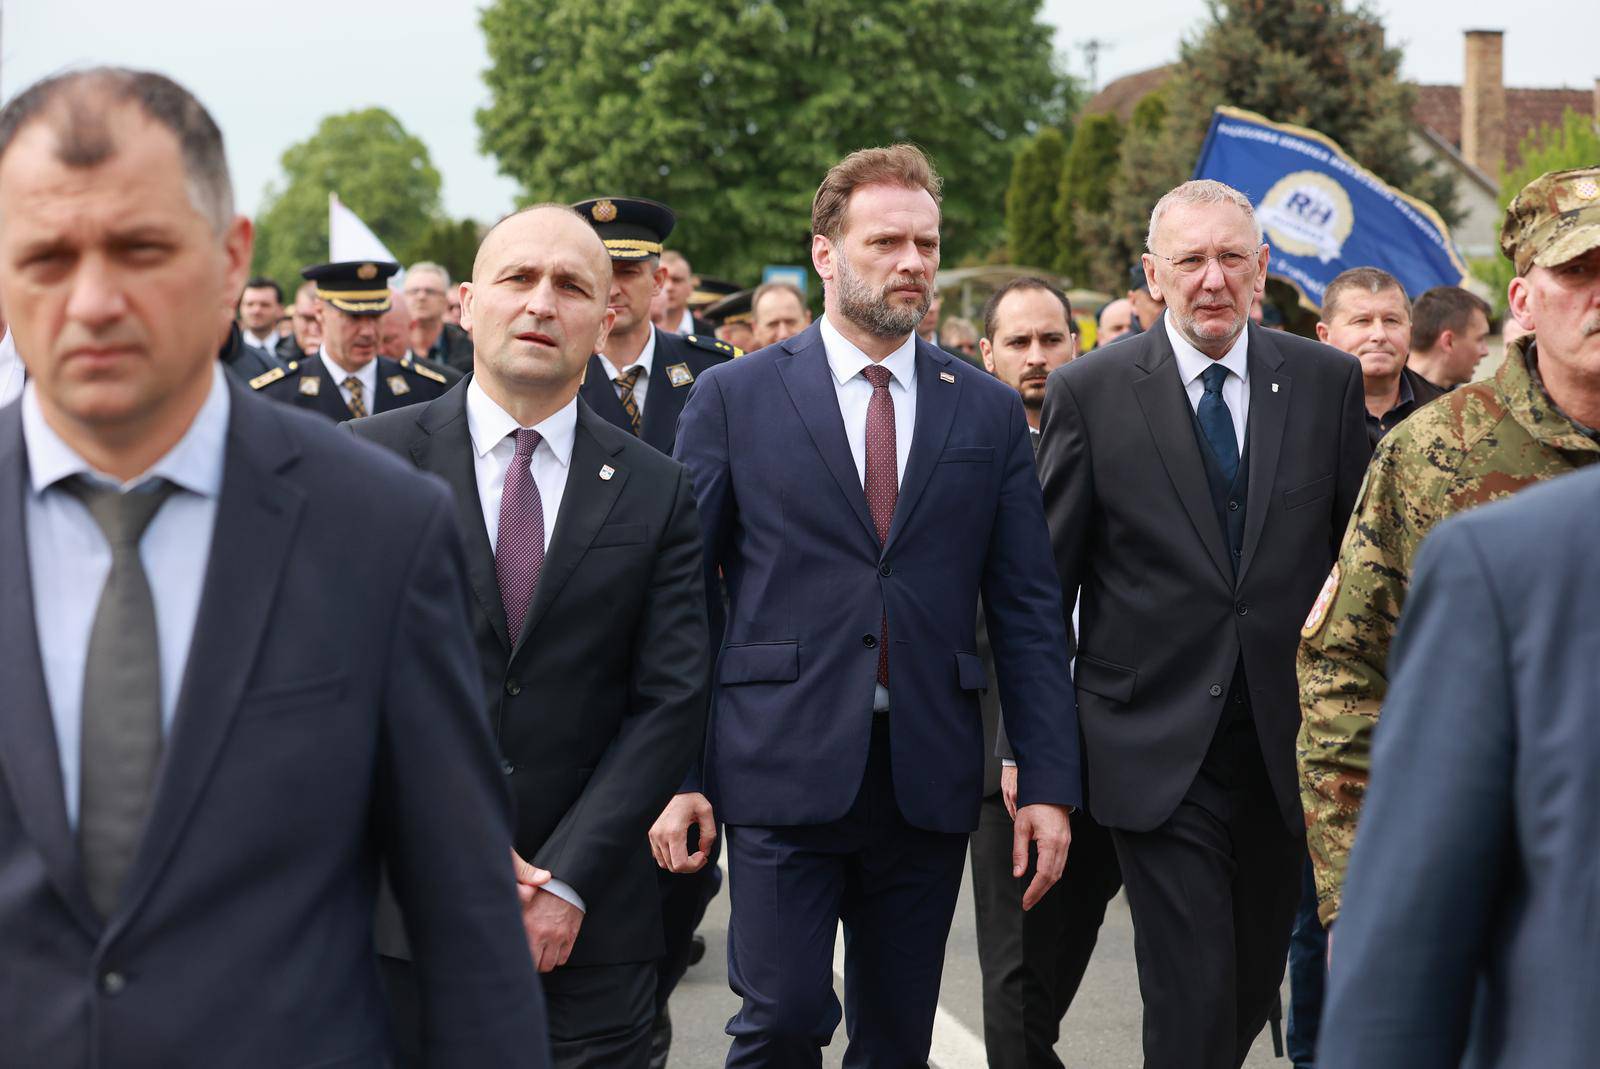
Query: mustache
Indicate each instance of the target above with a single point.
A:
(1592, 327)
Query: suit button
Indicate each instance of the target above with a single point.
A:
(1216, 690)
(112, 983)
(513, 688)
(884, 569)
(869, 641)
(1242, 609)
(1233, 506)
(507, 767)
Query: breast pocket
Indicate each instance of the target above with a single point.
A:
(1315, 490)
(759, 662)
(619, 534)
(297, 696)
(967, 454)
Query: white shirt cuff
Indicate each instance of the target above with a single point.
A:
(1007, 762)
(565, 892)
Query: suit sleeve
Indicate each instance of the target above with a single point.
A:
(661, 732)
(444, 815)
(1430, 862)
(1355, 451)
(1068, 481)
(702, 448)
(1027, 628)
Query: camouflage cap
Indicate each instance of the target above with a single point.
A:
(1554, 218)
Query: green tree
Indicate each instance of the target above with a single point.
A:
(452, 243)
(731, 113)
(379, 171)
(1030, 199)
(1574, 142)
(1113, 238)
(1085, 189)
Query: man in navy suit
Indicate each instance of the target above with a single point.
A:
(231, 692)
(859, 488)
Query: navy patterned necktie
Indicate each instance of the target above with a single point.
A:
(1216, 421)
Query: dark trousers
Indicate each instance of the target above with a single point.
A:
(1308, 976)
(1213, 893)
(1033, 961)
(684, 898)
(893, 885)
(599, 1014)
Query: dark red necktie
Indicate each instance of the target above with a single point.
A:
(883, 482)
(519, 545)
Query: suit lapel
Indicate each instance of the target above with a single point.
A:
(936, 411)
(599, 394)
(1167, 411)
(329, 400)
(29, 758)
(445, 448)
(585, 503)
(809, 381)
(257, 513)
(1269, 412)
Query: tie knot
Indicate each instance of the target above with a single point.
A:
(352, 384)
(878, 375)
(527, 441)
(1213, 377)
(122, 517)
(630, 377)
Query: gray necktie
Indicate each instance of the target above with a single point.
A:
(120, 740)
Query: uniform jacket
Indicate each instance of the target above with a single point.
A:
(1165, 615)
(1478, 443)
(243, 360)
(453, 348)
(328, 723)
(808, 583)
(679, 360)
(1467, 936)
(308, 385)
(599, 707)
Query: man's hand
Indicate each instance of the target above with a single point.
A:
(551, 923)
(1050, 830)
(669, 835)
(1008, 788)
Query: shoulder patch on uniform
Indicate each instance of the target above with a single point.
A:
(398, 385)
(713, 345)
(267, 378)
(428, 373)
(1319, 608)
(679, 374)
(310, 385)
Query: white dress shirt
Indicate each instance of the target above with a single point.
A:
(269, 343)
(645, 363)
(367, 376)
(493, 449)
(1235, 388)
(854, 393)
(686, 324)
(11, 371)
(69, 560)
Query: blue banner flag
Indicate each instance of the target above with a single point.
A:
(1322, 212)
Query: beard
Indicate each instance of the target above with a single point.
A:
(872, 311)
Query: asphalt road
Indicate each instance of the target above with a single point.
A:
(1101, 1030)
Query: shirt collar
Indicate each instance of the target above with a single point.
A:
(1191, 361)
(847, 361)
(368, 375)
(268, 343)
(647, 357)
(489, 424)
(193, 464)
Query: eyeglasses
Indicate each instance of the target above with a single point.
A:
(1232, 261)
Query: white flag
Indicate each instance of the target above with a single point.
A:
(351, 239)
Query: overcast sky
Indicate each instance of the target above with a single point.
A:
(270, 71)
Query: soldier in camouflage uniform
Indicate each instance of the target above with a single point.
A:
(1482, 442)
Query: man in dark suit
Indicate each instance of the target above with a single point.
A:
(641, 378)
(1032, 960)
(231, 693)
(348, 377)
(585, 555)
(1467, 935)
(859, 488)
(1198, 478)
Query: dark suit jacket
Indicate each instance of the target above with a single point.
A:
(808, 583)
(601, 705)
(1164, 618)
(1468, 931)
(665, 398)
(453, 348)
(399, 383)
(328, 722)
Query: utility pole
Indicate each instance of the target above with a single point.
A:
(1091, 50)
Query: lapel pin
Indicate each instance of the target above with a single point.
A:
(1274, 387)
(398, 385)
(945, 376)
(606, 472)
(680, 375)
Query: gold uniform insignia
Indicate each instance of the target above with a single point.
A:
(367, 272)
(603, 211)
(310, 385)
(398, 385)
(428, 373)
(1319, 608)
(679, 374)
(267, 378)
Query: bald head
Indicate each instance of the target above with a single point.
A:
(549, 222)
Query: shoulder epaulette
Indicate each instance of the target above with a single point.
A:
(267, 378)
(713, 345)
(428, 373)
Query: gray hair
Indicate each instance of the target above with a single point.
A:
(1200, 191)
(74, 103)
(429, 265)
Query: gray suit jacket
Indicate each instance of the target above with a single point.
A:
(1468, 935)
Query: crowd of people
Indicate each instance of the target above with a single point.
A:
(419, 726)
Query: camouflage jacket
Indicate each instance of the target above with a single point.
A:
(1479, 443)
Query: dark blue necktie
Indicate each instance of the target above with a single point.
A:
(1217, 422)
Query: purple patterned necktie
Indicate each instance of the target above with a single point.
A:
(883, 481)
(519, 546)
